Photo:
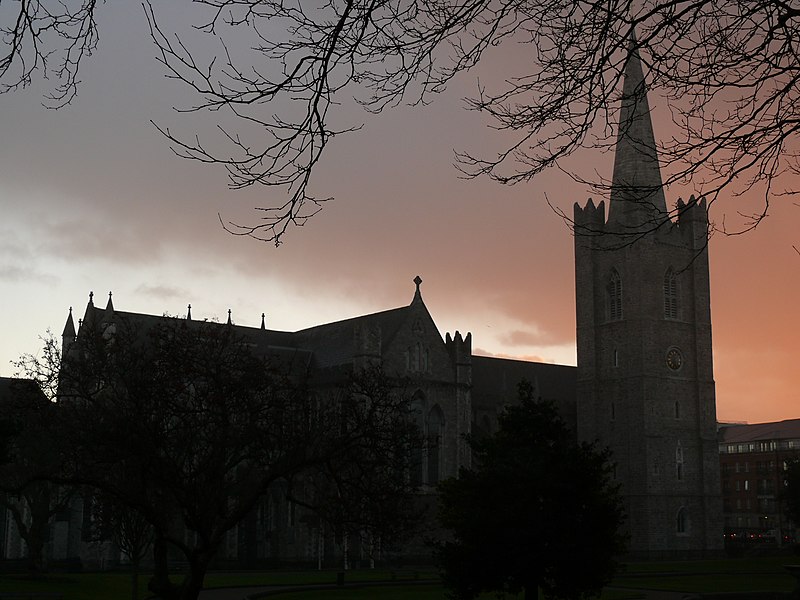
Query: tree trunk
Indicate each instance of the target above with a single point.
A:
(35, 536)
(159, 583)
(135, 579)
(135, 583)
(531, 592)
(193, 584)
(35, 558)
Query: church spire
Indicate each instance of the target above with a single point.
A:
(637, 194)
(69, 327)
(68, 336)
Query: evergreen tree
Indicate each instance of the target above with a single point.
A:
(537, 510)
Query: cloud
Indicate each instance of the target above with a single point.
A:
(98, 238)
(163, 292)
(15, 274)
(525, 357)
(530, 337)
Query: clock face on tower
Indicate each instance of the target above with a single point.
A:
(674, 359)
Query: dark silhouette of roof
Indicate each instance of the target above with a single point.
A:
(334, 343)
(495, 381)
(777, 430)
(321, 346)
(9, 384)
(329, 350)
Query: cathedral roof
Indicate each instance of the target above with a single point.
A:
(14, 386)
(334, 343)
(328, 345)
(495, 380)
(637, 195)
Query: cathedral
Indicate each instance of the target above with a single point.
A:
(644, 381)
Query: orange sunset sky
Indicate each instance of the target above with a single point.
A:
(92, 198)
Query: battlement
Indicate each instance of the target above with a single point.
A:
(591, 219)
(691, 223)
(460, 349)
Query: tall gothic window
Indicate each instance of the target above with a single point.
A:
(417, 404)
(670, 295)
(615, 296)
(681, 521)
(679, 462)
(435, 436)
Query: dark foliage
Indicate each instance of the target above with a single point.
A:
(791, 491)
(30, 464)
(537, 510)
(181, 428)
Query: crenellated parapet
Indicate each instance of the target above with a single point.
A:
(589, 220)
(692, 221)
(460, 349)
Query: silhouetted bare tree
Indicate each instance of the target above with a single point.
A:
(729, 71)
(112, 520)
(31, 464)
(49, 39)
(189, 425)
(180, 421)
(365, 493)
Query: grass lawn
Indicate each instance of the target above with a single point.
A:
(416, 592)
(327, 576)
(79, 586)
(761, 574)
(724, 575)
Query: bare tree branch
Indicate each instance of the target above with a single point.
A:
(282, 72)
(50, 39)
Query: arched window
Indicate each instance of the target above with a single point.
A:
(614, 292)
(679, 462)
(417, 358)
(670, 295)
(677, 409)
(435, 439)
(681, 521)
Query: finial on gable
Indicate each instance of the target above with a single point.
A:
(88, 315)
(110, 305)
(417, 293)
(189, 313)
(229, 317)
(263, 321)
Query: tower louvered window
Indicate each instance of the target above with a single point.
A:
(615, 297)
(670, 295)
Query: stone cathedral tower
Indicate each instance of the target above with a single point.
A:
(645, 381)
